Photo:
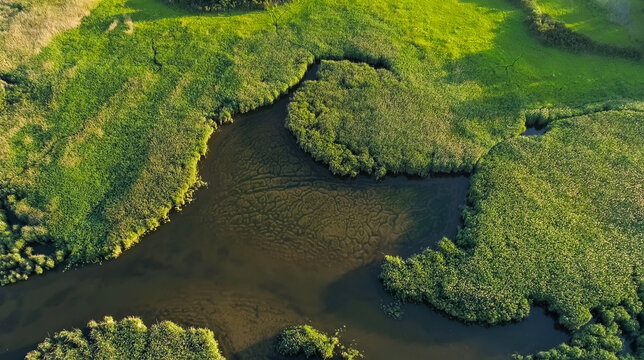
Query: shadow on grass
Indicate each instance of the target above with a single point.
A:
(151, 10)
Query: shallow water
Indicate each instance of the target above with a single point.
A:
(275, 240)
(534, 131)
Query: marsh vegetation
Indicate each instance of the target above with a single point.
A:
(129, 339)
(554, 219)
(103, 121)
(178, 75)
(304, 339)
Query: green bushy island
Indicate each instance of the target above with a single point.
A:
(313, 343)
(101, 131)
(129, 339)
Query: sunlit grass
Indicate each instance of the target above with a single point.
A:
(617, 22)
(28, 25)
(129, 339)
(104, 128)
(554, 219)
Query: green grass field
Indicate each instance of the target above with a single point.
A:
(28, 25)
(617, 22)
(102, 128)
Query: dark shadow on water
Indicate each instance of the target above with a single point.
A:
(357, 297)
(534, 131)
(17, 354)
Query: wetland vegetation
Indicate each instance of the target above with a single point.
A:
(107, 106)
(304, 339)
(129, 339)
(553, 219)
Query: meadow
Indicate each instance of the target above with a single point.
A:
(103, 128)
(28, 25)
(611, 21)
(101, 131)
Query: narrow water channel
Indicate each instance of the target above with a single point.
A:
(275, 240)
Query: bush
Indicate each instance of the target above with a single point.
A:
(602, 340)
(304, 339)
(129, 339)
(222, 5)
(307, 340)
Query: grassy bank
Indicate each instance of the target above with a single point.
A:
(129, 339)
(555, 219)
(102, 130)
(443, 114)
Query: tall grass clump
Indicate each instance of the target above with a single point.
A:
(616, 22)
(604, 338)
(555, 220)
(129, 339)
(304, 339)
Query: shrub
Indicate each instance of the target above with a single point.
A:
(222, 5)
(304, 339)
(307, 340)
(129, 339)
(602, 340)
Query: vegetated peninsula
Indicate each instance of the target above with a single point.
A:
(555, 219)
(102, 125)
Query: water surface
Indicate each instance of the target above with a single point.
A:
(275, 240)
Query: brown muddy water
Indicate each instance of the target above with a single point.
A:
(275, 240)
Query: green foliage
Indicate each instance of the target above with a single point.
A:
(393, 310)
(129, 339)
(304, 339)
(608, 21)
(113, 116)
(603, 340)
(17, 258)
(351, 354)
(555, 219)
(307, 340)
(222, 5)
(556, 33)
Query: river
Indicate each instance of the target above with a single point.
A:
(275, 240)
